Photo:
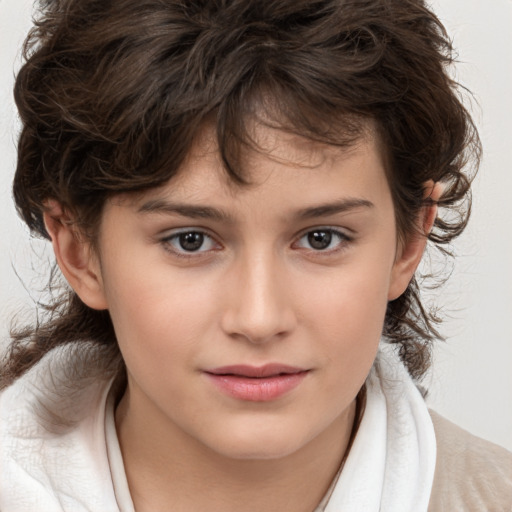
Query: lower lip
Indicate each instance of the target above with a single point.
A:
(257, 389)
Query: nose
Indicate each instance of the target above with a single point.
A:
(258, 301)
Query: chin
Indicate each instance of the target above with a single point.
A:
(260, 444)
(260, 452)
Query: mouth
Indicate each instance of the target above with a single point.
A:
(256, 372)
(256, 383)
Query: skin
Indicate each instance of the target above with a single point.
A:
(256, 292)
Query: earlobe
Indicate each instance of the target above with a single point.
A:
(411, 252)
(75, 257)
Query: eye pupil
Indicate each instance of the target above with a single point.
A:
(191, 241)
(319, 239)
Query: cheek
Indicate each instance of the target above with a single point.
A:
(346, 315)
(157, 309)
(351, 298)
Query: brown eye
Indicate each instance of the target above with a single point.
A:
(191, 241)
(327, 240)
(319, 239)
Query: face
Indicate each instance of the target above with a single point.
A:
(249, 317)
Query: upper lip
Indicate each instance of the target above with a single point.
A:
(267, 370)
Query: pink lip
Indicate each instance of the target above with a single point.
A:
(256, 383)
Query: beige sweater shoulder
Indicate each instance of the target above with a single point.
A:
(471, 475)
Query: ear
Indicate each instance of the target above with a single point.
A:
(410, 252)
(76, 258)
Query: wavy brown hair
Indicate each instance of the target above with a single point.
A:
(113, 93)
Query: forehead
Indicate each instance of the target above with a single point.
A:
(281, 170)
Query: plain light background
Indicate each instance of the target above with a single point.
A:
(471, 379)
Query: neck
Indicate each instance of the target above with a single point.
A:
(167, 469)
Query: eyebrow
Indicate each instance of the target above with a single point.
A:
(342, 206)
(211, 213)
(185, 210)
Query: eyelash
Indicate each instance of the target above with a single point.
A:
(343, 240)
(167, 242)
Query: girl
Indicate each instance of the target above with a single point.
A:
(238, 194)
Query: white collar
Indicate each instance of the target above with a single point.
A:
(78, 467)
